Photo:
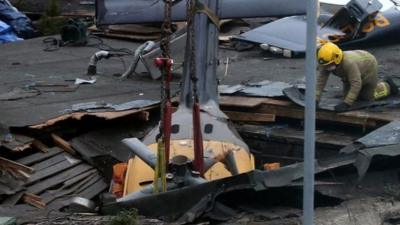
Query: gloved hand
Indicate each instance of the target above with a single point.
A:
(342, 107)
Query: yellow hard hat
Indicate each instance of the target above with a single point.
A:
(329, 53)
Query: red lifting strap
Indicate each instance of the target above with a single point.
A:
(165, 66)
(167, 128)
(198, 140)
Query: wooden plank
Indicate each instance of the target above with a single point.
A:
(12, 199)
(33, 200)
(50, 196)
(63, 144)
(105, 115)
(72, 190)
(388, 115)
(38, 157)
(4, 189)
(283, 108)
(8, 184)
(40, 146)
(250, 102)
(32, 196)
(240, 101)
(93, 190)
(18, 143)
(250, 117)
(79, 177)
(15, 165)
(58, 179)
(92, 181)
(22, 174)
(49, 162)
(14, 173)
(52, 170)
(16, 146)
(298, 113)
(18, 174)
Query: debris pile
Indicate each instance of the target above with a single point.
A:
(95, 133)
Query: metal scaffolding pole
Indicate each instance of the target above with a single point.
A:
(309, 132)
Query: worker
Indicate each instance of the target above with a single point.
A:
(358, 71)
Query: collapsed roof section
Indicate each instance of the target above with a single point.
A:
(360, 21)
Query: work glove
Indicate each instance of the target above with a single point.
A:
(342, 107)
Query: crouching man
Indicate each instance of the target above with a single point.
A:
(358, 70)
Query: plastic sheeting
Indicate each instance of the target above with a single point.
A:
(19, 22)
(6, 33)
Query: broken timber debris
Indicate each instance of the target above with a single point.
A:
(286, 109)
(250, 117)
(55, 168)
(16, 142)
(79, 179)
(63, 144)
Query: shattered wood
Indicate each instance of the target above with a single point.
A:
(250, 117)
(38, 186)
(17, 142)
(40, 156)
(33, 200)
(285, 109)
(40, 146)
(250, 102)
(106, 115)
(53, 169)
(63, 144)
(15, 166)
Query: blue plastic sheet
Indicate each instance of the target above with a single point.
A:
(7, 34)
(19, 22)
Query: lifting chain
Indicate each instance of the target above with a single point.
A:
(197, 134)
(192, 55)
(164, 63)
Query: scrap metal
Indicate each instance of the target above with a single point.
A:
(199, 92)
(360, 21)
(296, 95)
(191, 202)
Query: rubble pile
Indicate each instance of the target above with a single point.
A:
(153, 118)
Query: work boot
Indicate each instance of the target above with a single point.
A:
(394, 89)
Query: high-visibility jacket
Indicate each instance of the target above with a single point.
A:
(357, 69)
